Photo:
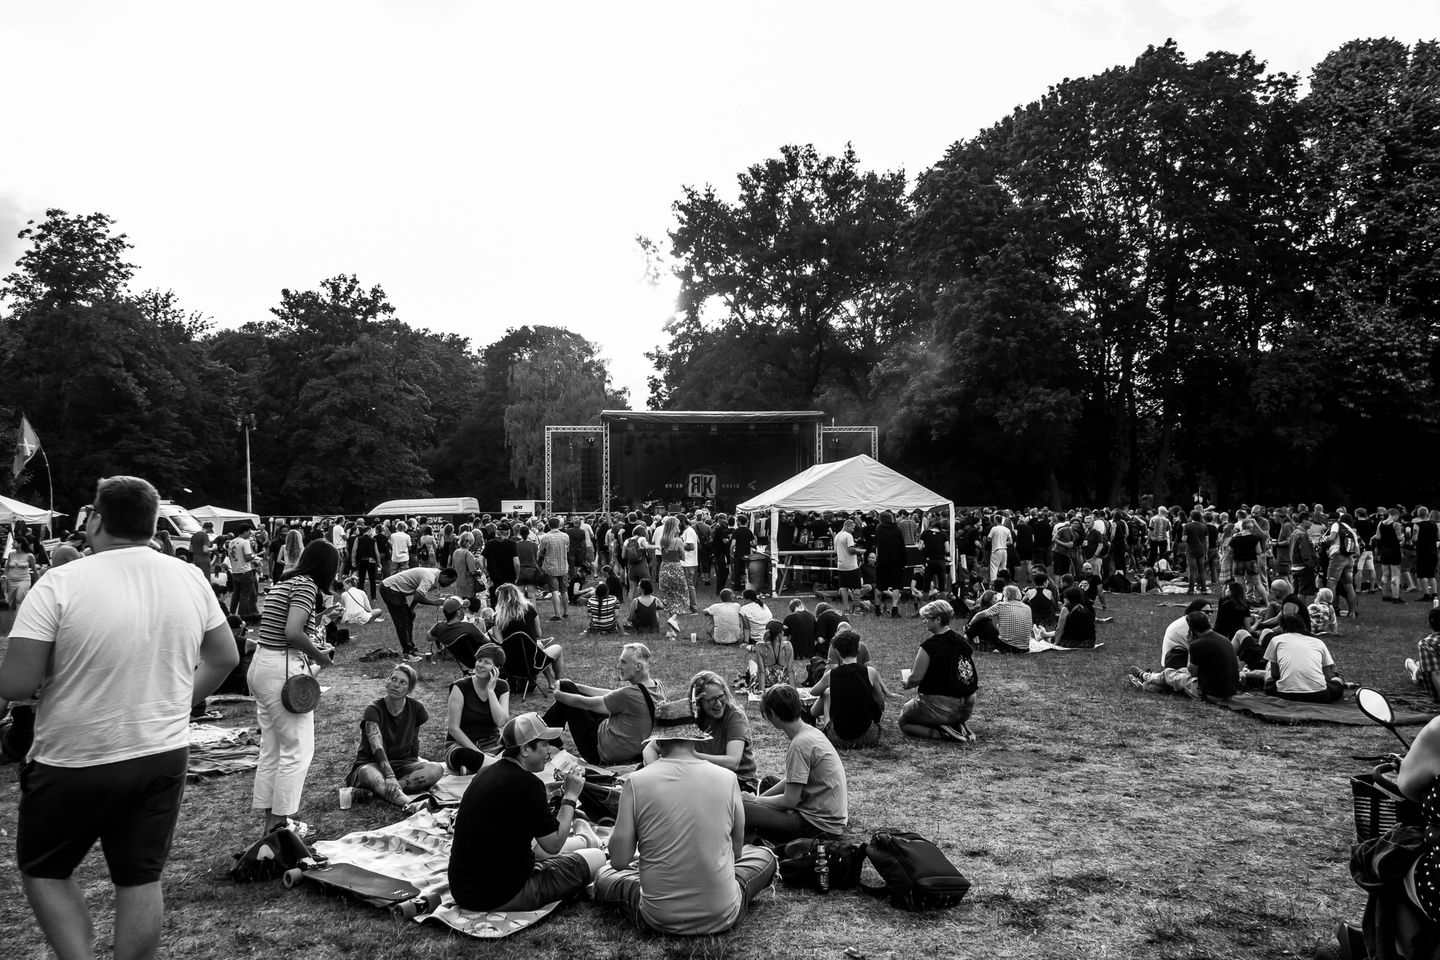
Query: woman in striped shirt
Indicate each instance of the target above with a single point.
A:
(287, 740)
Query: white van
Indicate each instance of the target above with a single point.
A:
(174, 522)
(461, 507)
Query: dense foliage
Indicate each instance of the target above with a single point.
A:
(1172, 276)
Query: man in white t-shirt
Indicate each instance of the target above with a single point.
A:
(115, 640)
(728, 627)
(683, 816)
(1301, 667)
(400, 547)
(691, 561)
(1000, 538)
(241, 560)
(403, 591)
(847, 563)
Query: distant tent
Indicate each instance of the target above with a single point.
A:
(857, 484)
(221, 516)
(12, 510)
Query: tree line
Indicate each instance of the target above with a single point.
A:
(348, 405)
(1173, 276)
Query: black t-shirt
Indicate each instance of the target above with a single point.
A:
(951, 672)
(800, 630)
(1245, 547)
(853, 707)
(744, 539)
(825, 625)
(934, 543)
(462, 639)
(720, 539)
(1230, 616)
(1079, 627)
(1217, 667)
(1197, 538)
(503, 810)
(499, 555)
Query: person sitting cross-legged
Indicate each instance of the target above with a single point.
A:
(1301, 667)
(944, 672)
(609, 727)
(603, 610)
(685, 819)
(492, 859)
(727, 626)
(1212, 670)
(811, 800)
(477, 708)
(850, 698)
(388, 761)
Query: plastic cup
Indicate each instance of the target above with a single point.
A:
(347, 797)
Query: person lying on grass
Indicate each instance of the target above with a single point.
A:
(477, 707)
(944, 673)
(811, 799)
(492, 860)
(388, 762)
(609, 727)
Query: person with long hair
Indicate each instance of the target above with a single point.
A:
(717, 714)
(466, 567)
(772, 659)
(514, 614)
(291, 551)
(674, 589)
(20, 571)
(287, 740)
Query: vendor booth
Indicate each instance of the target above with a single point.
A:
(857, 484)
(12, 510)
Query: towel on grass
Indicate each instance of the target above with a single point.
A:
(1345, 712)
(418, 850)
(1040, 646)
(217, 751)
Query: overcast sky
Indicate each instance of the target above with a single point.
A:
(490, 164)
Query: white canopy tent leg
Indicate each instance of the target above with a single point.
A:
(954, 560)
(774, 551)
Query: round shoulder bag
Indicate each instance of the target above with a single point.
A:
(301, 692)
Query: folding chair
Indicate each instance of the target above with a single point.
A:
(525, 663)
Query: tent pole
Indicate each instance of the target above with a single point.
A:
(774, 551)
(954, 581)
(51, 481)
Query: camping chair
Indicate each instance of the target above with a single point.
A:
(525, 663)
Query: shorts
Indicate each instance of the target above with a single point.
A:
(402, 768)
(888, 578)
(556, 582)
(129, 806)
(1425, 566)
(1339, 566)
(530, 577)
(932, 710)
(870, 738)
(849, 579)
(556, 878)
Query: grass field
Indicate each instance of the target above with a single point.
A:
(1093, 820)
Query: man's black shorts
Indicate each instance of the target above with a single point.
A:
(130, 807)
(850, 579)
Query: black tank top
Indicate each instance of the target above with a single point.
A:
(852, 701)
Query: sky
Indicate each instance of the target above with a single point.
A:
(490, 165)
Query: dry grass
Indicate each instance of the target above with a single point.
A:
(1093, 821)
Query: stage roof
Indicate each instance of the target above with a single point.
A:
(711, 416)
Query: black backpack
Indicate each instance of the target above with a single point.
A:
(917, 874)
(269, 857)
(822, 865)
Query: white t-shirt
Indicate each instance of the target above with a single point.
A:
(239, 555)
(1302, 660)
(692, 548)
(337, 537)
(356, 606)
(729, 623)
(126, 626)
(845, 556)
(1176, 635)
(1000, 537)
(756, 616)
(400, 547)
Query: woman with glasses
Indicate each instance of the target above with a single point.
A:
(717, 714)
(944, 673)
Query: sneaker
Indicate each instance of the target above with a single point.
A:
(953, 734)
(1412, 667)
(299, 827)
(1135, 676)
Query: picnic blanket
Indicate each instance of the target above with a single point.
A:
(1345, 712)
(418, 850)
(218, 751)
(1040, 646)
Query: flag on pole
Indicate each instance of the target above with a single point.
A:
(27, 444)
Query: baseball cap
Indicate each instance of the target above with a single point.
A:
(527, 728)
(452, 605)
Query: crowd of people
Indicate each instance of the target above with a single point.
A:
(1021, 578)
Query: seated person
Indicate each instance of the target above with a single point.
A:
(645, 609)
(1076, 627)
(517, 630)
(727, 627)
(492, 860)
(1425, 670)
(1175, 646)
(684, 818)
(1041, 599)
(457, 635)
(811, 799)
(1233, 614)
(1301, 667)
(944, 672)
(1211, 668)
(850, 698)
(756, 616)
(827, 624)
(725, 721)
(609, 727)
(604, 611)
(772, 660)
(1150, 581)
(800, 630)
(862, 656)
(388, 762)
(1012, 621)
(237, 682)
(355, 603)
(477, 708)
(1090, 585)
(1323, 618)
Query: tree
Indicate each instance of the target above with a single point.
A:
(788, 294)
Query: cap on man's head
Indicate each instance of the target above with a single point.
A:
(527, 728)
(452, 606)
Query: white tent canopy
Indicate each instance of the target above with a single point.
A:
(222, 515)
(12, 510)
(857, 484)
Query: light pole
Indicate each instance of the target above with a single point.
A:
(247, 423)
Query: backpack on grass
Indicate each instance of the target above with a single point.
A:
(822, 865)
(269, 857)
(917, 874)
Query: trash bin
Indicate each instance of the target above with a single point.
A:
(760, 572)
